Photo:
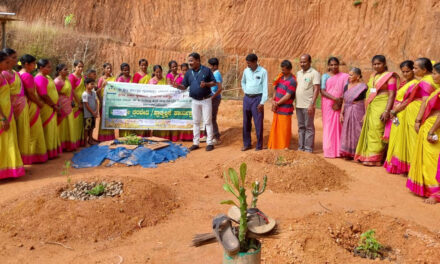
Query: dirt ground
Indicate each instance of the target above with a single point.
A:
(321, 205)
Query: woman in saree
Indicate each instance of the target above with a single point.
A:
(352, 114)
(424, 173)
(414, 97)
(19, 105)
(331, 109)
(66, 122)
(125, 77)
(380, 98)
(104, 134)
(179, 135)
(48, 93)
(77, 81)
(11, 165)
(397, 161)
(158, 79)
(37, 143)
(173, 75)
(282, 108)
(142, 75)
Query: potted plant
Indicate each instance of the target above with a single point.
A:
(250, 248)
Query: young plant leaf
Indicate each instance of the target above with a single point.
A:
(243, 169)
(228, 188)
(234, 178)
(225, 176)
(230, 202)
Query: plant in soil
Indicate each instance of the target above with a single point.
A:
(236, 186)
(66, 172)
(281, 161)
(368, 246)
(97, 190)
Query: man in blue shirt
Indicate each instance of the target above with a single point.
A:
(216, 97)
(254, 85)
(199, 79)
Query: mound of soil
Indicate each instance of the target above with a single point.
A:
(43, 215)
(291, 171)
(332, 237)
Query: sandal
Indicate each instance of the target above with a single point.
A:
(433, 198)
(223, 231)
(258, 222)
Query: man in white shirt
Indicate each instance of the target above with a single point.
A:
(305, 99)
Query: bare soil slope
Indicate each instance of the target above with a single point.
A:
(316, 226)
(274, 29)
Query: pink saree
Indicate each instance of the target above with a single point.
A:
(331, 123)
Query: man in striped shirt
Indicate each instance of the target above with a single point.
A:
(282, 106)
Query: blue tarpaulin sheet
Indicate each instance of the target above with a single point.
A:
(93, 156)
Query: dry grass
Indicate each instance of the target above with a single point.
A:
(58, 44)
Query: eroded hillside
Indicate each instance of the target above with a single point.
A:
(274, 29)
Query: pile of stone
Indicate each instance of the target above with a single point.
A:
(80, 190)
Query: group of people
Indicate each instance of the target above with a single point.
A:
(391, 120)
(42, 116)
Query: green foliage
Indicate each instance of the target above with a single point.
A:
(281, 161)
(132, 140)
(66, 172)
(256, 191)
(369, 245)
(243, 169)
(235, 185)
(243, 220)
(357, 2)
(232, 182)
(69, 20)
(66, 168)
(97, 190)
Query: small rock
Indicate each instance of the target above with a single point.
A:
(206, 176)
(32, 248)
(326, 190)
(20, 245)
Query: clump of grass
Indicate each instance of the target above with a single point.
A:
(357, 2)
(69, 20)
(281, 161)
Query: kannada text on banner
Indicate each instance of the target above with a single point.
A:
(146, 107)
